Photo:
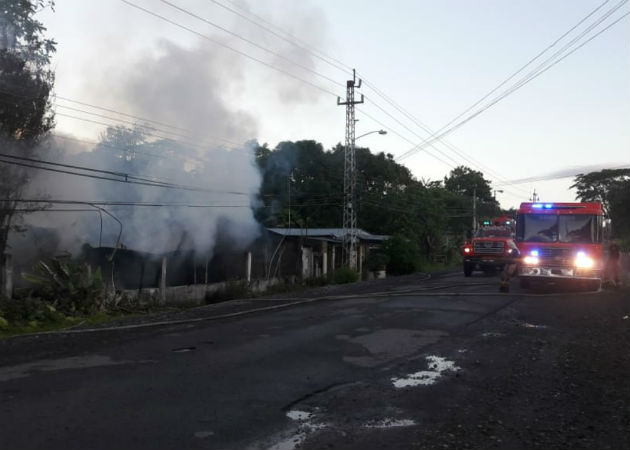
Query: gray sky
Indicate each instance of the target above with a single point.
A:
(434, 58)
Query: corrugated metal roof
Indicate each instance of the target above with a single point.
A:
(332, 233)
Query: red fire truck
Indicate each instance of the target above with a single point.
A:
(560, 242)
(490, 248)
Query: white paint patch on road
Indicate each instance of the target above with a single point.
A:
(462, 350)
(51, 365)
(531, 325)
(299, 415)
(296, 437)
(391, 423)
(438, 366)
(625, 317)
(492, 334)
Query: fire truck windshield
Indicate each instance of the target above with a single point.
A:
(488, 232)
(575, 228)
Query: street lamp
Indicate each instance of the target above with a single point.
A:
(370, 132)
(500, 191)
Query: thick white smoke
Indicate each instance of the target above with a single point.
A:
(204, 139)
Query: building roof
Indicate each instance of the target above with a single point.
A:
(327, 233)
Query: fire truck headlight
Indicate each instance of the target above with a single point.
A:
(531, 260)
(583, 262)
(466, 249)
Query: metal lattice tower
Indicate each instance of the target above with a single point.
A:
(350, 177)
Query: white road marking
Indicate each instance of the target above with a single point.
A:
(438, 366)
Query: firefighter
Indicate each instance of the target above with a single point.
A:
(612, 265)
(509, 269)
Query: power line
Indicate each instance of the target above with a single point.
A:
(118, 121)
(426, 128)
(550, 46)
(139, 125)
(294, 41)
(113, 203)
(290, 39)
(144, 119)
(250, 42)
(531, 76)
(221, 44)
(123, 177)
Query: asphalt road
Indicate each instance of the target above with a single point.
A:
(395, 364)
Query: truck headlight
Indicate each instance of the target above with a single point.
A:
(582, 261)
(531, 260)
(466, 249)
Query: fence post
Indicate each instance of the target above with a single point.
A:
(163, 282)
(7, 275)
(248, 267)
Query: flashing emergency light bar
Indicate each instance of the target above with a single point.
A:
(553, 206)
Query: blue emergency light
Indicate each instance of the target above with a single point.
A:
(537, 205)
(534, 253)
(548, 205)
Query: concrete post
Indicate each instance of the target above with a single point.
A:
(360, 258)
(163, 281)
(248, 267)
(7, 275)
(324, 258)
(205, 279)
(332, 262)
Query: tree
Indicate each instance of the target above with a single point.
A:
(596, 186)
(611, 187)
(25, 109)
(464, 181)
(390, 200)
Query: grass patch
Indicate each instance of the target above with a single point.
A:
(62, 323)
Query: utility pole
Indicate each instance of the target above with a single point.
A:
(535, 197)
(350, 176)
(474, 224)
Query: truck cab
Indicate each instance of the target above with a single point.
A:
(560, 242)
(489, 249)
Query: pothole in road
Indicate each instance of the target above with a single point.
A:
(389, 344)
(437, 367)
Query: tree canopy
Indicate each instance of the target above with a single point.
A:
(25, 86)
(303, 181)
(611, 187)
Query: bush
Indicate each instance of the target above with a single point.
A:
(232, 290)
(345, 275)
(316, 282)
(403, 253)
(377, 260)
(68, 287)
(28, 311)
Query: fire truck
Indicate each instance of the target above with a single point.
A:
(490, 247)
(560, 242)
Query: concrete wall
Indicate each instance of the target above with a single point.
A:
(194, 293)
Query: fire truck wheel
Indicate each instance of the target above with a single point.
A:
(593, 285)
(468, 269)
